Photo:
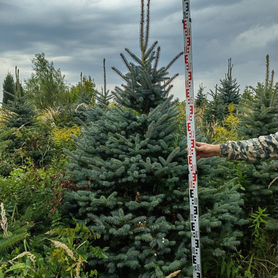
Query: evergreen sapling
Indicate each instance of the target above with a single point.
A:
(130, 172)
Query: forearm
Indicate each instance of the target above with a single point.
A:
(253, 149)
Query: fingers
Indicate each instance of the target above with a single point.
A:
(202, 150)
(199, 144)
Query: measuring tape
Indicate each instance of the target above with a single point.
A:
(191, 143)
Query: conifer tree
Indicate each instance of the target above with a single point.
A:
(22, 139)
(20, 112)
(130, 172)
(260, 110)
(8, 89)
(84, 92)
(216, 109)
(102, 101)
(104, 96)
(224, 94)
(229, 89)
(259, 116)
(201, 98)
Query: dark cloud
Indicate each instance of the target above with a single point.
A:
(199, 4)
(7, 7)
(77, 35)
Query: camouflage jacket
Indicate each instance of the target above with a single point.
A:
(253, 149)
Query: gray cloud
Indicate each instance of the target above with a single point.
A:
(77, 35)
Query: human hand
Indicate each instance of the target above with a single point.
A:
(207, 150)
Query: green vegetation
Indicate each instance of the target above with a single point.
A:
(94, 184)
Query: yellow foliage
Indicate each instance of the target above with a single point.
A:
(232, 122)
(232, 108)
(228, 132)
(62, 136)
(113, 105)
(222, 135)
(5, 116)
(2, 121)
(49, 115)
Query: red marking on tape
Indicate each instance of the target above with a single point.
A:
(185, 27)
(192, 144)
(190, 132)
(194, 177)
(190, 161)
(189, 127)
(186, 59)
(191, 109)
(187, 93)
(190, 75)
(188, 41)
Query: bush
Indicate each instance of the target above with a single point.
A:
(22, 146)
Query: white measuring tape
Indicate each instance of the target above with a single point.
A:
(191, 143)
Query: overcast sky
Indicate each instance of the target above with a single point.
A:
(77, 34)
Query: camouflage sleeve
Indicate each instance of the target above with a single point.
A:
(253, 149)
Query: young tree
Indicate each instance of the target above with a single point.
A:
(259, 116)
(91, 113)
(223, 96)
(8, 89)
(17, 112)
(215, 110)
(46, 87)
(259, 113)
(201, 98)
(22, 139)
(84, 92)
(130, 173)
(229, 89)
(104, 97)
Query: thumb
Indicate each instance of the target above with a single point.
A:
(199, 146)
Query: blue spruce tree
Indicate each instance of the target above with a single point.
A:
(259, 112)
(259, 116)
(229, 89)
(130, 172)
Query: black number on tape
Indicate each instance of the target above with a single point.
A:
(194, 259)
(197, 243)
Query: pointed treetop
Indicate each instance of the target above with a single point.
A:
(18, 87)
(272, 79)
(144, 30)
(81, 79)
(104, 76)
(145, 84)
(269, 76)
(104, 96)
(230, 67)
(267, 70)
